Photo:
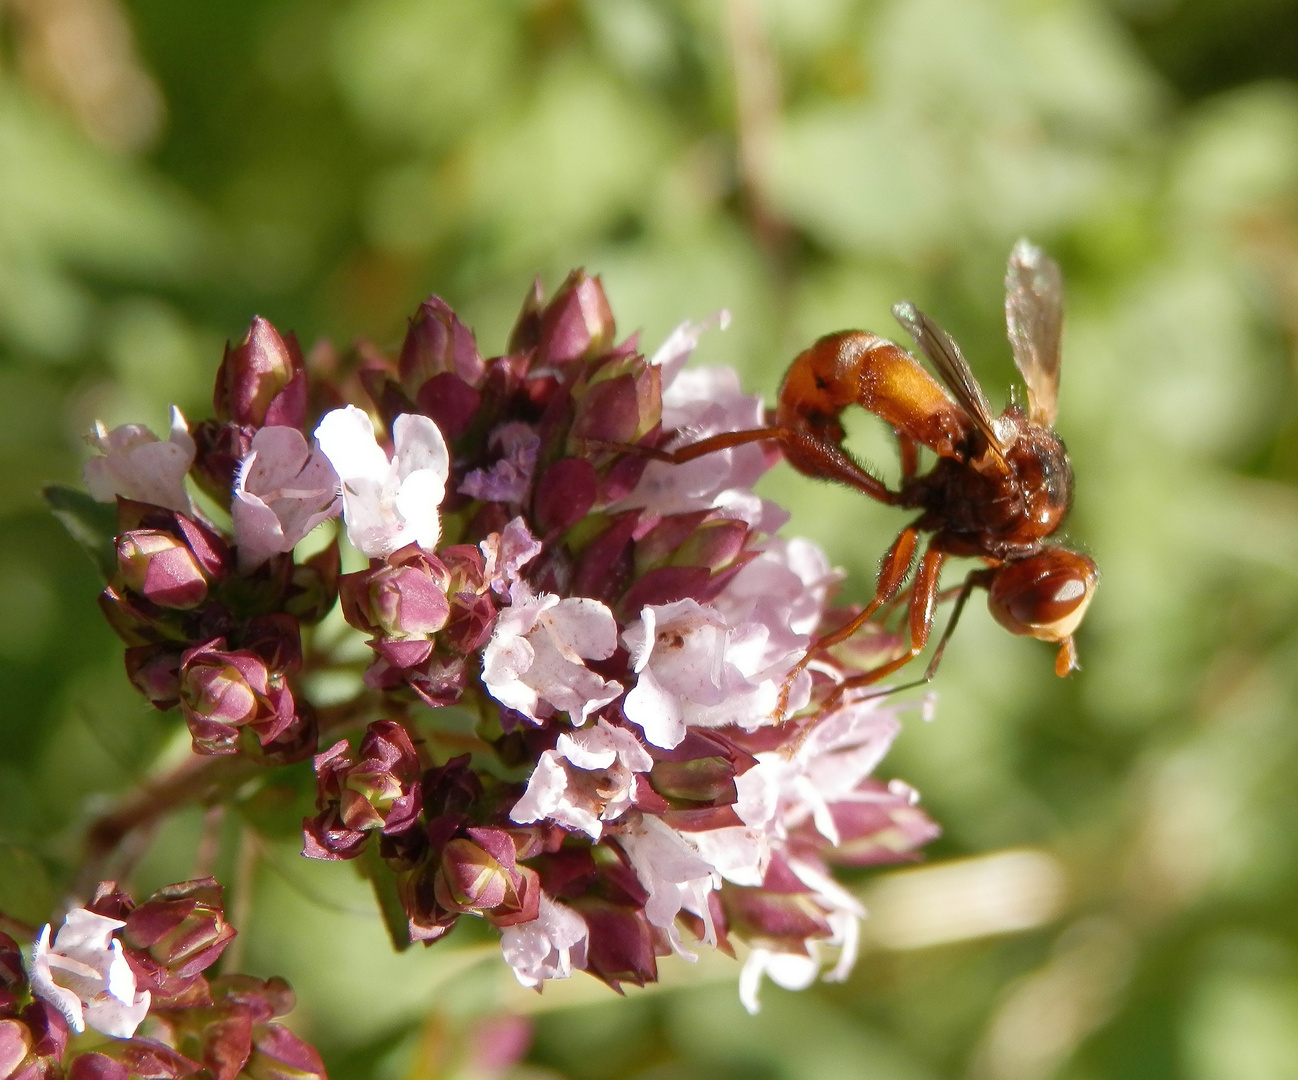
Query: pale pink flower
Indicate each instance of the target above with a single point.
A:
(551, 946)
(696, 404)
(693, 670)
(680, 344)
(85, 975)
(673, 873)
(586, 780)
(535, 660)
(777, 601)
(798, 970)
(829, 766)
(505, 553)
(137, 465)
(387, 504)
(282, 491)
(739, 853)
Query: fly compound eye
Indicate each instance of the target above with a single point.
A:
(1044, 596)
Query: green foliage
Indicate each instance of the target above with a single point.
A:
(93, 525)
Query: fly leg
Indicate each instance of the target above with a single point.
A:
(893, 571)
(923, 601)
(809, 453)
(924, 598)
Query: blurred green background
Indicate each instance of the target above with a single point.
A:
(168, 168)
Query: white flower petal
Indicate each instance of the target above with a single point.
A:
(347, 438)
(85, 975)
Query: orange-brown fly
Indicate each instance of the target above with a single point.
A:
(999, 488)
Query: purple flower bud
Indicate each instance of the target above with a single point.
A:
(483, 878)
(702, 779)
(151, 1060)
(438, 680)
(577, 323)
(278, 1054)
(95, 1066)
(161, 568)
(526, 333)
(222, 691)
(386, 778)
(621, 405)
(404, 598)
(33, 1044)
(714, 544)
(667, 585)
(380, 791)
(437, 343)
(470, 879)
(782, 912)
(182, 927)
(262, 999)
(426, 919)
(453, 788)
(622, 946)
(262, 380)
(154, 670)
(15, 1042)
(209, 549)
(111, 902)
(606, 566)
(659, 542)
(327, 835)
(879, 825)
(473, 610)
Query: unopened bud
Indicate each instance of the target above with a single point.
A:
(470, 879)
(621, 405)
(154, 670)
(577, 323)
(714, 545)
(182, 927)
(386, 777)
(95, 1066)
(278, 1054)
(262, 380)
(404, 600)
(437, 343)
(480, 876)
(161, 568)
(15, 1042)
(224, 690)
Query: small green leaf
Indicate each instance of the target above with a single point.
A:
(91, 524)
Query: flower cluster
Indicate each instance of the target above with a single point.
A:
(212, 619)
(114, 966)
(581, 720)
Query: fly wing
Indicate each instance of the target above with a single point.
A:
(944, 354)
(1034, 320)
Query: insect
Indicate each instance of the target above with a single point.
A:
(999, 488)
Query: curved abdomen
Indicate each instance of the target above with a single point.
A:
(855, 367)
